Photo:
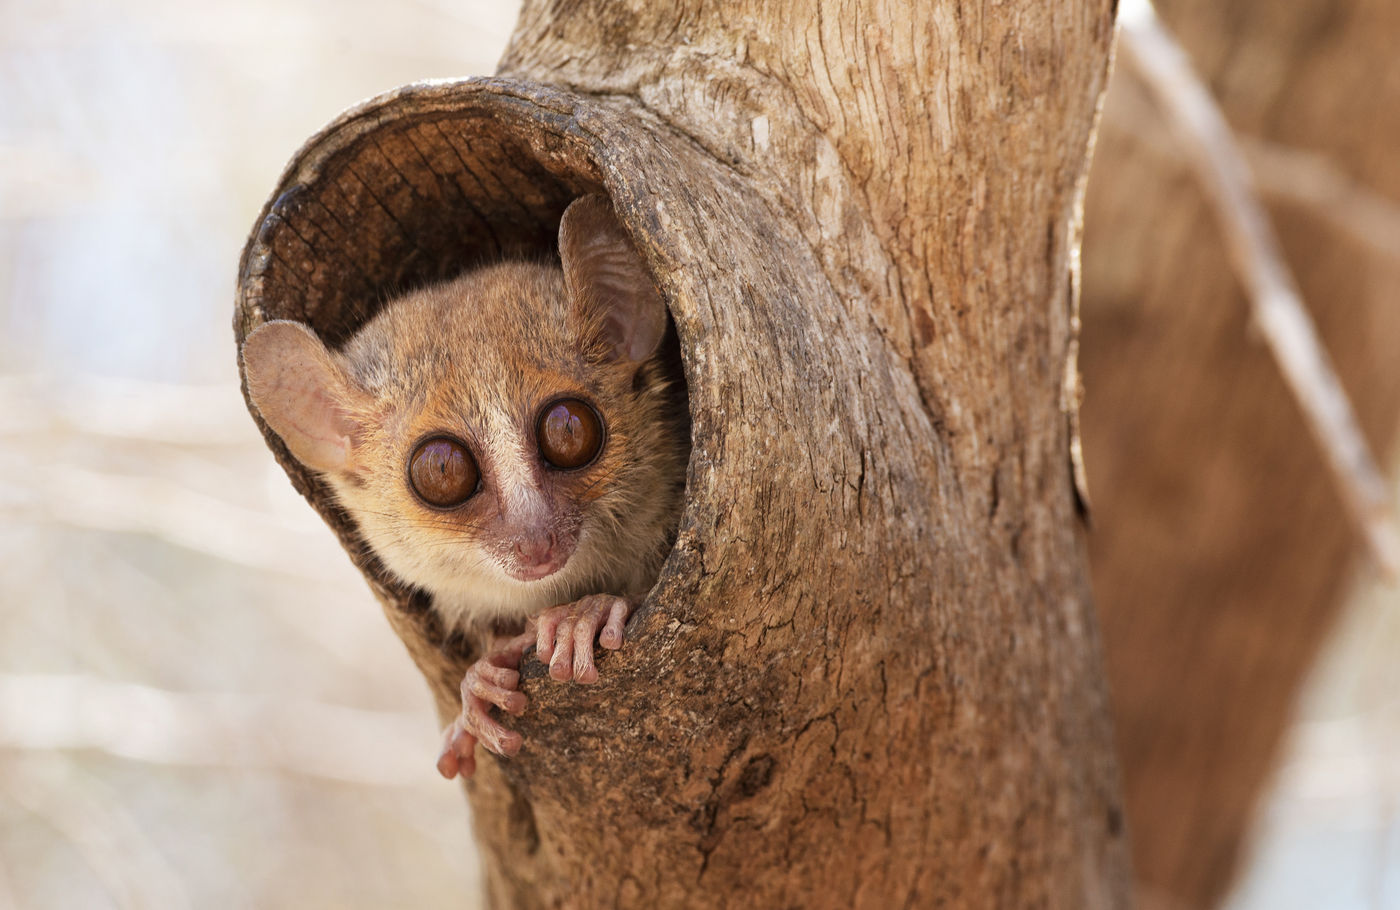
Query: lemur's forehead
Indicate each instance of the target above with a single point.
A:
(475, 357)
(488, 398)
(495, 324)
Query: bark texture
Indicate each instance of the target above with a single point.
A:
(869, 674)
(1220, 549)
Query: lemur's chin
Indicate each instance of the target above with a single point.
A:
(538, 572)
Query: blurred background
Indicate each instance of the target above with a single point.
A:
(200, 701)
(201, 704)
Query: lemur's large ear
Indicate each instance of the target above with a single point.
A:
(303, 394)
(608, 285)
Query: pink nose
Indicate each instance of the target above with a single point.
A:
(536, 550)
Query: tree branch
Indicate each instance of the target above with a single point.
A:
(143, 723)
(1274, 296)
(92, 818)
(1312, 179)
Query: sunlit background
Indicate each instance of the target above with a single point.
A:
(200, 702)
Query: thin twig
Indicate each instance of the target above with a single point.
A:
(1277, 304)
(1305, 178)
(213, 729)
(190, 416)
(1310, 179)
(169, 511)
(114, 843)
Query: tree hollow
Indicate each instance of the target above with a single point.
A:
(847, 654)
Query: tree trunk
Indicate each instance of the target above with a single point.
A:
(869, 674)
(1220, 549)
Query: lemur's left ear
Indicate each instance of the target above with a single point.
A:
(304, 395)
(609, 287)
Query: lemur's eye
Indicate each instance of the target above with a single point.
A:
(442, 472)
(570, 433)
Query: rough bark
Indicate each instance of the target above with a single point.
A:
(1220, 550)
(868, 675)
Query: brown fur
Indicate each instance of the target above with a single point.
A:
(477, 358)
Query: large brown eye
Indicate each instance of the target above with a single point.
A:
(570, 433)
(442, 472)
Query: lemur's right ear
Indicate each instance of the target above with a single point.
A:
(303, 394)
(609, 286)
